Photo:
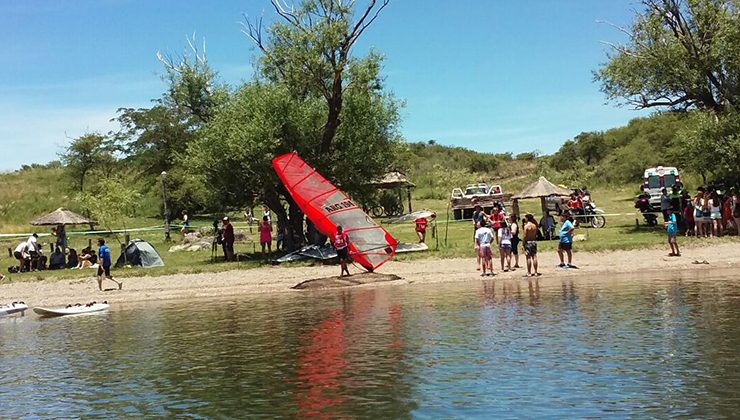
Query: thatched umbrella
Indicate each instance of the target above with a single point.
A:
(61, 217)
(541, 189)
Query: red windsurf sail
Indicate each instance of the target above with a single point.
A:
(326, 206)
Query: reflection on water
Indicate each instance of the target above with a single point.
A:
(483, 348)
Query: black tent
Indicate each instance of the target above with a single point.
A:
(140, 253)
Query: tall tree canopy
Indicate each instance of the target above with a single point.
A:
(680, 54)
(310, 50)
(85, 154)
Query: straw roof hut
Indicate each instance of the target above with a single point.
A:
(395, 180)
(61, 216)
(542, 188)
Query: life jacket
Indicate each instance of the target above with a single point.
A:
(341, 240)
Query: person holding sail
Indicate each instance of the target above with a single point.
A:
(340, 241)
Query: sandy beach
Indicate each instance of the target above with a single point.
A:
(281, 279)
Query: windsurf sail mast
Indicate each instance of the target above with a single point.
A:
(327, 206)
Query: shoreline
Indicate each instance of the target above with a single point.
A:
(281, 279)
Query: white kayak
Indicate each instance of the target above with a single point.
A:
(73, 309)
(13, 308)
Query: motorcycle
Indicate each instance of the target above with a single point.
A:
(642, 203)
(594, 216)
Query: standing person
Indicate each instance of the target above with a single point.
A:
(727, 212)
(530, 245)
(265, 229)
(340, 241)
(478, 218)
(699, 213)
(483, 240)
(280, 238)
(227, 239)
(566, 241)
(671, 227)
(688, 217)
(514, 226)
(715, 213)
(185, 223)
(266, 213)
(33, 250)
(104, 266)
(497, 216)
(504, 245)
(665, 204)
(735, 206)
(61, 236)
(421, 228)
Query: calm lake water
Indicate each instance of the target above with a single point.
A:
(571, 348)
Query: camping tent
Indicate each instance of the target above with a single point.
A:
(140, 253)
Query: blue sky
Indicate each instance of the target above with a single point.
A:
(495, 76)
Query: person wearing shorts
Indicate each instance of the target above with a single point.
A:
(340, 241)
(530, 245)
(671, 227)
(504, 245)
(565, 247)
(104, 265)
(483, 240)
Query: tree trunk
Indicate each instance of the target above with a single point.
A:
(332, 120)
(295, 226)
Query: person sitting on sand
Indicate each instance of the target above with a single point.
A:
(483, 240)
(72, 258)
(504, 244)
(566, 240)
(340, 241)
(530, 245)
(671, 227)
(104, 266)
(86, 259)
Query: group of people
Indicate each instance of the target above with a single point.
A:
(225, 236)
(503, 231)
(710, 212)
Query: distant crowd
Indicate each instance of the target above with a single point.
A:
(709, 213)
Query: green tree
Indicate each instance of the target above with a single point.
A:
(153, 138)
(711, 146)
(680, 54)
(310, 50)
(85, 154)
(111, 204)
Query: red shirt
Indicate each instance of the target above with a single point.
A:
(421, 224)
(575, 204)
(341, 240)
(497, 218)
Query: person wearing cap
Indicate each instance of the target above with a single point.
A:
(228, 239)
(340, 242)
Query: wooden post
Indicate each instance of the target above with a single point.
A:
(408, 192)
(447, 225)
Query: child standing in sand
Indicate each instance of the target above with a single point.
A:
(672, 228)
(504, 244)
(340, 241)
(483, 240)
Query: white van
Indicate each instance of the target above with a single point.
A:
(657, 178)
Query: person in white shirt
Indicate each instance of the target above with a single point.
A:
(483, 240)
(21, 254)
(504, 244)
(32, 243)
